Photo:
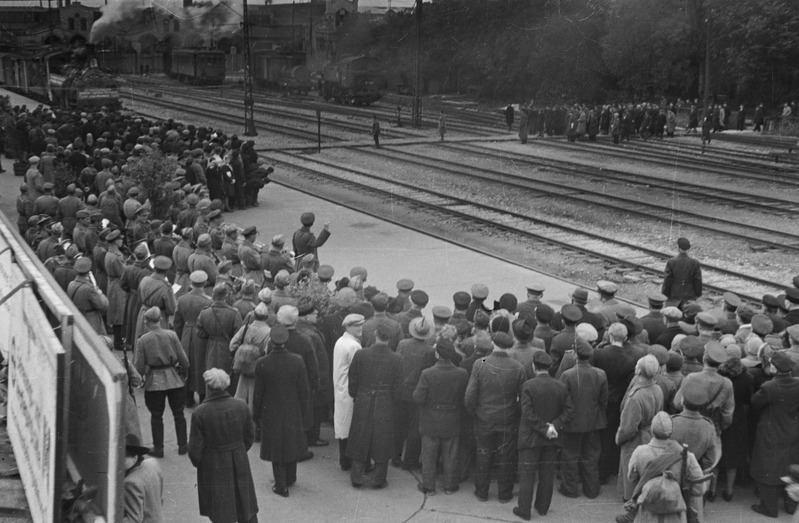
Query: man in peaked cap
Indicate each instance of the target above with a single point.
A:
(727, 323)
(460, 302)
(404, 288)
(441, 317)
(274, 260)
(88, 299)
(479, 295)
(343, 352)
(771, 308)
(693, 429)
(306, 242)
(535, 292)
(188, 309)
(250, 257)
(492, 398)
(155, 291)
(380, 304)
(571, 315)
(683, 276)
(416, 354)
(653, 321)
(707, 327)
(609, 306)
(419, 300)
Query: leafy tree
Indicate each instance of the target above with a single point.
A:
(153, 172)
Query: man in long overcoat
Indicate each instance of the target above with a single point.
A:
(221, 434)
(282, 408)
(374, 376)
(251, 258)
(323, 395)
(345, 348)
(129, 283)
(777, 439)
(188, 310)
(87, 298)
(305, 242)
(180, 258)
(114, 267)
(155, 291)
(216, 326)
(683, 279)
(202, 259)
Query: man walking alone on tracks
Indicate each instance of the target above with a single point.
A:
(376, 131)
(683, 279)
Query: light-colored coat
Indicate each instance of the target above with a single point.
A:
(343, 403)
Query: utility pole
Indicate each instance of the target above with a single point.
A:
(706, 100)
(416, 115)
(249, 116)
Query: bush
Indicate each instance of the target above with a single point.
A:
(153, 173)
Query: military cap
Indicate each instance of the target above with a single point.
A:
(133, 190)
(695, 394)
(192, 199)
(542, 359)
(203, 204)
(48, 186)
(781, 361)
(405, 285)
(634, 325)
(535, 287)
(34, 159)
(83, 213)
(683, 243)
(706, 319)
(691, 309)
(325, 272)
(691, 347)
(33, 220)
(365, 309)
(352, 320)
(214, 214)
(204, 240)
(607, 287)
(278, 240)
(133, 445)
(249, 230)
(445, 348)
(793, 333)
(461, 300)
(142, 209)
(419, 328)
(155, 225)
(305, 308)
(571, 312)
(380, 302)
(103, 235)
(419, 298)
(656, 299)
(544, 313)
(502, 340)
(731, 300)
(500, 323)
(523, 330)
(279, 334)
(508, 302)
(714, 351)
(198, 277)
(43, 218)
(792, 295)
(113, 235)
(733, 351)
(582, 349)
(153, 314)
(307, 218)
(481, 319)
(162, 263)
(72, 251)
(660, 352)
(479, 291)
(265, 295)
(770, 301)
(623, 310)
(580, 296)
(442, 313)
(672, 313)
(83, 265)
(358, 271)
(91, 199)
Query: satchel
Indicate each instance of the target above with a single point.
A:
(662, 495)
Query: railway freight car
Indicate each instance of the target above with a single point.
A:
(198, 66)
(285, 71)
(354, 80)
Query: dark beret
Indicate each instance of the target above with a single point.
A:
(502, 340)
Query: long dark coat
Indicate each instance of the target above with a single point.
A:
(777, 439)
(114, 268)
(131, 278)
(374, 376)
(221, 434)
(216, 326)
(188, 310)
(683, 279)
(323, 395)
(282, 405)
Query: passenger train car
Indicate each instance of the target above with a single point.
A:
(198, 66)
(59, 77)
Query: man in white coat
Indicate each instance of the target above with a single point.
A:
(347, 345)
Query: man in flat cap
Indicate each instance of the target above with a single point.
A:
(439, 396)
(158, 352)
(345, 348)
(492, 398)
(707, 327)
(683, 276)
(776, 446)
(721, 402)
(34, 179)
(187, 311)
(546, 407)
(609, 306)
(374, 377)
(216, 326)
(87, 298)
(588, 388)
(155, 291)
(416, 354)
(306, 242)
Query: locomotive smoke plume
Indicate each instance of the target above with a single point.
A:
(200, 22)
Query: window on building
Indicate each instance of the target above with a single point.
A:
(71, 23)
(83, 24)
(176, 26)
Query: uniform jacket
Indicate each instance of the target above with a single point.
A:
(282, 406)
(144, 493)
(274, 261)
(46, 204)
(155, 291)
(68, 208)
(157, 353)
(343, 352)
(654, 325)
(98, 265)
(588, 388)
(493, 391)
(712, 381)
(251, 263)
(89, 301)
(187, 311)
(221, 434)
(114, 267)
(544, 400)
(439, 395)
(305, 242)
(776, 443)
(683, 279)
(216, 326)
(374, 377)
(180, 259)
(201, 260)
(698, 432)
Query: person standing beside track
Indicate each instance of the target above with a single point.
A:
(376, 131)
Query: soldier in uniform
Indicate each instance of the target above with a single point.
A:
(114, 268)
(158, 352)
(201, 225)
(653, 321)
(215, 230)
(98, 260)
(68, 207)
(164, 245)
(203, 259)
(48, 247)
(188, 216)
(88, 299)
(180, 258)
(251, 258)
(306, 242)
(187, 311)
(82, 229)
(230, 251)
(216, 326)
(404, 289)
(140, 228)
(155, 291)
(63, 266)
(274, 260)
(129, 283)
(683, 279)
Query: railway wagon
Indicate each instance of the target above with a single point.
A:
(355, 80)
(198, 66)
(117, 62)
(283, 70)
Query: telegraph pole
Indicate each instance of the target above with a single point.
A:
(416, 115)
(249, 117)
(706, 100)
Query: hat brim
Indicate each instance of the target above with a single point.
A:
(138, 450)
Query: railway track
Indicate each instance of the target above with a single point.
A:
(634, 261)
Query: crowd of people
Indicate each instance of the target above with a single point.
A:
(265, 345)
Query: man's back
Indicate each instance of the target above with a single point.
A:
(493, 389)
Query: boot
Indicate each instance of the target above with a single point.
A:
(629, 517)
